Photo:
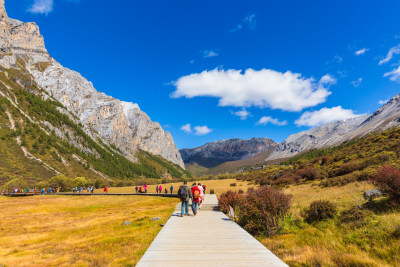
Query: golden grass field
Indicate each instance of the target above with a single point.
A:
(219, 186)
(88, 231)
(330, 244)
(79, 231)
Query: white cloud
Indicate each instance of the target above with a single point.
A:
(264, 88)
(361, 51)
(393, 51)
(202, 130)
(250, 21)
(357, 82)
(243, 114)
(210, 53)
(192, 61)
(267, 119)
(393, 75)
(41, 7)
(187, 128)
(324, 115)
(383, 102)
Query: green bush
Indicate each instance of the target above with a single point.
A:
(61, 181)
(15, 183)
(81, 182)
(318, 211)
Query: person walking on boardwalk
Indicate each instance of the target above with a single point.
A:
(201, 194)
(105, 190)
(157, 189)
(171, 189)
(160, 189)
(92, 189)
(196, 198)
(145, 188)
(136, 188)
(184, 194)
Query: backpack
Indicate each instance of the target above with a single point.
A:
(196, 193)
(182, 193)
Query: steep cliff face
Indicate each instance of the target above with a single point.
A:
(218, 152)
(111, 120)
(335, 133)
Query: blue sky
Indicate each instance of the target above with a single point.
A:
(229, 69)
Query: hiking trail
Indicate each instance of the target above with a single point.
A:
(208, 239)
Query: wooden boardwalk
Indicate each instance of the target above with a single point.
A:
(208, 239)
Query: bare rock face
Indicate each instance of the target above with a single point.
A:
(4, 29)
(21, 38)
(218, 152)
(336, 133)
(115, 122)
(326, 135)
(26, 38)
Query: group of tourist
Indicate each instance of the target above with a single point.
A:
(80, 190)
(50, 190)
(140, 189)
(196, 193)
(159, 189)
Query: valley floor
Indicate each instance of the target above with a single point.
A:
(219, 186)
(79, 231)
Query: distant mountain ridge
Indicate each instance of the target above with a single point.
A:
(218, 152)
(335, 133)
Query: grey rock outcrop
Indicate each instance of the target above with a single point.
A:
(373, 193)
(335, 133)
(113, 121)
(218, 152)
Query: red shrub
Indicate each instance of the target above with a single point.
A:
(308, 173)
(263, 210)
(324, 160)
(287, 180)
(227, 199)
(349, 168)
(319, 210)
(388, 179)
(264, 181)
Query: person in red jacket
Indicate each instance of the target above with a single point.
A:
(196, 198)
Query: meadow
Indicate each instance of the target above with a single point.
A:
(374, 242)
(79, 231)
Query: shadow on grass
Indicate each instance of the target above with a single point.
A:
(381, 206)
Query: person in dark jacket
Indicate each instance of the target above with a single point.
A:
(185, 195)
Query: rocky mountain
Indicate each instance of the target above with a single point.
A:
(218, 152)
(92, 122)
(118, 123)
(337, 132)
